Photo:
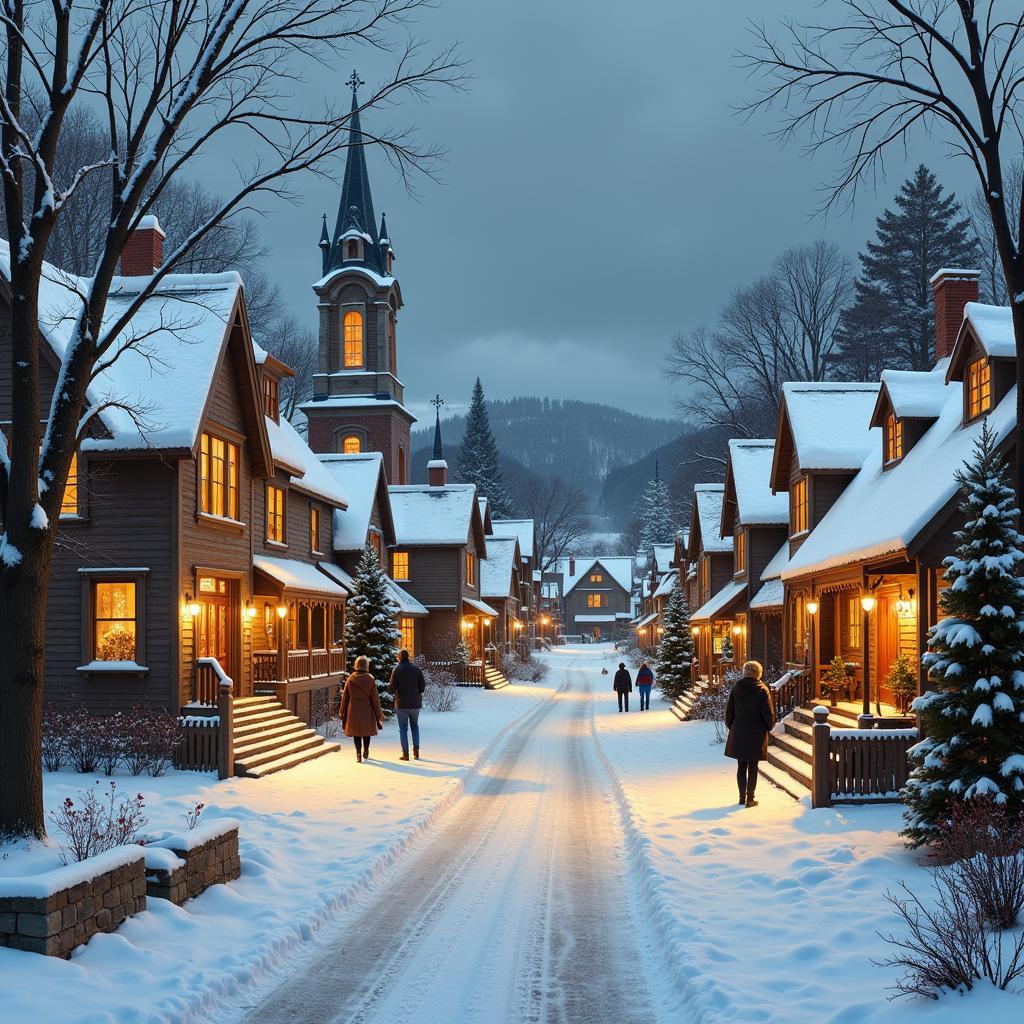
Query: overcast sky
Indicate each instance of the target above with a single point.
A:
(599, 196)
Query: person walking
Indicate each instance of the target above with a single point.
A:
(407, 685)
(361, 715)
(749, 717)
(644, 682)
(622, 684)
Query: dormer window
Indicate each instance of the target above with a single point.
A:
(353, 328)
(893, 439)
(352, 249)
(270, 397)
(978, 388)
(740, 552)
(798, 507)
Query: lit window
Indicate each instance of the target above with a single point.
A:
(218, 477)
(69, 503)
(270, 397)
(740, 551)
(407, 627)
(853, 618)
(597, 600)
(979, 388)
(351, 444)
(798, 507)
(470, 569)
(893, 439)
(596, 577)
(275, 514)
(314, 529)
(114, 621)
(353, 324)
(400, 565)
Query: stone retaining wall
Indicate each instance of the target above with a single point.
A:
(54, 919)
(201, 858)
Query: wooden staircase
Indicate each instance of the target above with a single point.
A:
(684, 704)
(494, 679)
(269, 738)
(789, 748)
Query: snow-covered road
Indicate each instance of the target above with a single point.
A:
(515, 909)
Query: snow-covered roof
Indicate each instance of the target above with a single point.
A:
(433, 515)
(594, 618)
(667, 584)
(916, 394)
(292, 574)
(882, 511)
(407, 604)
(338, 575)
(663, 555)
(619, 567)
(308, 472)
(480, 606)
(162, 364)
(485, 509)
(358, 476)
(708, 499)
(645, 621)
(379, 280)
(778, 562)
(714, 606)
(830, 422)
(770, 595)
(496, 568)
(352, 402)
(750, 467)
(521, 528)
(994, 327)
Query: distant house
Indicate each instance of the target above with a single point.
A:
(499, 587)
(595, 595)
(714, 591)
(529, 576)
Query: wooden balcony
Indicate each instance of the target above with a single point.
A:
(299, 666)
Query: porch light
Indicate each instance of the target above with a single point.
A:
(250, 610)
(466, 624)
(867, 602)
(905, 605)
(191, 606)
(695, 630)
(737, 630)
(812, 607)
(661, 629)
(282, 611)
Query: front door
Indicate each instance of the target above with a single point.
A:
(214, 634)
(888, 647)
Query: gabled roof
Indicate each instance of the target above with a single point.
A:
(361, 477)
(827, 425)
(521, 528)
(667, 584)
(291, 574)
(485, 514)
(771, 592)
(889, 511)
(706, 521)
(619, 567)
(748, 486)
(911, 394)
(992, 326)
(664, 555)
(308, 474)
(722, 603)
(436, 515)
(496, 570)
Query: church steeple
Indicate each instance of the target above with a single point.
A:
(437, 468)
(355, 240)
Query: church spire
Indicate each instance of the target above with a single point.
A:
(437, 468)
(355, 210)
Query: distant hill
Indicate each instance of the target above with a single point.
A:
(581, 442)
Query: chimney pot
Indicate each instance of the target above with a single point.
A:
(437, 473)
(952, 290)
(143, 252)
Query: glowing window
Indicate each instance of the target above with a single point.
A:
(353, 329)
(114, 621)
(740, 551)
(470, 568)
(893, 439)
(69, 503)
(798, 507)
(270, 397)
(399, 565)
(275, 514)
(596, 577)
(597, 600)
(979, 388)
(407, 627)
(314, 529)
(351, 444)
(218, 477)
(853, 620)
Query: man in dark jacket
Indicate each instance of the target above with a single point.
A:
(749, 717)
(407, 684)
(623, 686)
(644, 682)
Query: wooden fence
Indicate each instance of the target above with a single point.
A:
(857, 765)
(465, 675)
(207, 741)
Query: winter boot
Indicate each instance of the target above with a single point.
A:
(416, 752)
(404, 757)
(359, 756)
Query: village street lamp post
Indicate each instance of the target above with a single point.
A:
(812, 647)
(867, 602)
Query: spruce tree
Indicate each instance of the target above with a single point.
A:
(675, 648)
(655, 511)
(371, 625)
(891, 322)
(478, 459)
(972, 717)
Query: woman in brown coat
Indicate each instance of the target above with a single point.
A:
(361, 716)
(749, 716)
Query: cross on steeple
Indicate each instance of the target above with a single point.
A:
(355, 81)
(437, 401)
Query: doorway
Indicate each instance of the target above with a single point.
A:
(214, 623)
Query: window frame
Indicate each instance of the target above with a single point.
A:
(395, 556)
(314, 529)
(893, 439)
(740, 551)
(90, 577)
(978, 387)
(799, 507)
(407, 628)
(277, 517)
(597, 577)
(271, 397)
(230, 484)
(70, 502)
(470, 569)
(595, 600)
(348, 338)
(346, 438)
(853, 634)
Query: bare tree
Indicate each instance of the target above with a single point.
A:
(881, 70)
(171, 80)
(298, 347)
(560, 515)
(993, 284)
(782, 327)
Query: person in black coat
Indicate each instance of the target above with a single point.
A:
(623, 686)
(749, 717)
(407, 684)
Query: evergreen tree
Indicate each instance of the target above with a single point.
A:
(675, 648)
(727, 652)
(478, 459)
(973, 718)
(891, 322)
(656, 512)
(371, 625)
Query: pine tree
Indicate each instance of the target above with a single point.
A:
(891, 322)
(655, 510)
(371, 625)
(478, 459)
(973, 718)
(675, 648)
(727, 652)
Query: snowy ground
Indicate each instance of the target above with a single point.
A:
(311, 840)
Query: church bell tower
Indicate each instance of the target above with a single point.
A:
(358, 401)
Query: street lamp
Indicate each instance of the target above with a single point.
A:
(812, 653)
(867, 602)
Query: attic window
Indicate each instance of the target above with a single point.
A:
(740, 551)
(596, 577)
(798, 507)
(270, 397)
(352, 249)
(893, 439)
(979, 388)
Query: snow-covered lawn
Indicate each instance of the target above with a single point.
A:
(768, 913)
(311, 839)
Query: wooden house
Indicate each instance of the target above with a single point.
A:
(529, 573)
(715, 591)
(500, 590)
(596, 596)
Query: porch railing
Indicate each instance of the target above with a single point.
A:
(206, 681)
(301, 664)
(465, 675)
(792, 689)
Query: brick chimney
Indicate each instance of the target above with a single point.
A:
(952, 290)
(144, 251)
(437, 472)
(572, 565)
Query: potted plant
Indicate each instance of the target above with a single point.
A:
(835, 680)
(902, 680)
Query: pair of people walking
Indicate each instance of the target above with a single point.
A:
(362, 716)
(623, 686)
(749, 717)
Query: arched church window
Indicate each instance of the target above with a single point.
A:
(353, 249)
(353, 324)
(401, 465)
(351, 444)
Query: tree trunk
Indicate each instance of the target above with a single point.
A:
(22, 642)
(1016, 288)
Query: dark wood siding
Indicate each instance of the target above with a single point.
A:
(436, 575)
(825, 489)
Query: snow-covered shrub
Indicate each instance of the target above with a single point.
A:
(95, 824)
(151, 740)
(530, 669)
(443, 692)
(710, 706)
(323, 712)
(111, 740)
(55, 744)
(83, 739)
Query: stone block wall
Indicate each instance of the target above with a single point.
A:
(53, 919)
(203, 857)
